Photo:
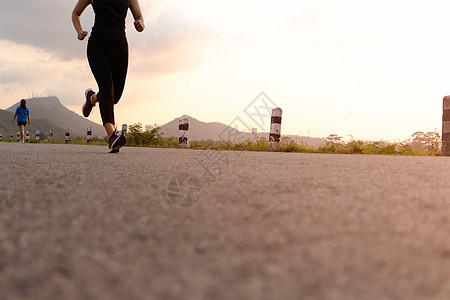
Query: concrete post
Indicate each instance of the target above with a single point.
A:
(124, 129)
(67, 135)
(89, 135)
(183, 128)
(1, 137)
(11, 137)
(254, 134)
(446, 126)
(18, 135)
(38, 136)
(50, 135)
(27, 136)
(275, 126)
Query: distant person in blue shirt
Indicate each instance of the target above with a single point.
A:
(23, 116)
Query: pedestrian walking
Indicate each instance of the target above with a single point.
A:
(23, 117)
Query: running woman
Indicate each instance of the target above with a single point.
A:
(107, 53)
(23, 116)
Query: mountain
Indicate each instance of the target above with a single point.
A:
(44, 125)
(197, 130)
(216, 131)
(48, 112)
(6, 127)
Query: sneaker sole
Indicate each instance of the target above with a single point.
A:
(119, 143)
(84, 105)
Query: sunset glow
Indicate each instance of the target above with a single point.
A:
(367, 69)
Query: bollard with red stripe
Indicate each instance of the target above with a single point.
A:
(183, 128)
(446, 126)
(50, 135)
(89, 135)
(67, 135)
(275, 126)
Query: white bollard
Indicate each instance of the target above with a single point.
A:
(124, 129)
(38, 136)
(275, 126)
(1, 137)
(50, 135)
(18, 135)
(67, 135)
(183, 128)
(254, 134)
(27, 136)
(11, 137)
(89, 135)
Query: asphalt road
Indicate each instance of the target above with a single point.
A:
(79, 223)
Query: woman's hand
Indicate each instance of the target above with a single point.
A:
(137, 15)
(77, 11)
(82, 34)
(139, 25)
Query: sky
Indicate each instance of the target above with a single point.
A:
(372, 70)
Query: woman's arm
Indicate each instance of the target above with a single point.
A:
(76, 13)
(137, 15)
(15, 116)
(29, 119)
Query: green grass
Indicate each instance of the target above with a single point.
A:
(352, 147)
(76, 141)
(379, 148)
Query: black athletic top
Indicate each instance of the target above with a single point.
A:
(109, 25)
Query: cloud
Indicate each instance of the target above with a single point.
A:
(40, 51)
(24, 69)
(46, 24)
(172, 43)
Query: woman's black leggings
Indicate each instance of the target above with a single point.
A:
(109, 64)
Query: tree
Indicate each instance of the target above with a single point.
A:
(148, 137)
(425, 141)
(333, 139)
(135, 128)
(287, 140)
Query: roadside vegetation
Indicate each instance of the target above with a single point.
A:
(420, 144)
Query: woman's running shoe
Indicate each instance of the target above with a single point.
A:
(116, 141)
(87, 106)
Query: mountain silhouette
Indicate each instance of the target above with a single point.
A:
(7, 127)
(215, 131)
(48, 113)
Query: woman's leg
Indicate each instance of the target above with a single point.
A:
(101, 70)
(120, 80)
(118, 63)
(22, 132)
(109, 127)
(118, 58)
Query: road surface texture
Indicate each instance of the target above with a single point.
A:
(79, 223)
